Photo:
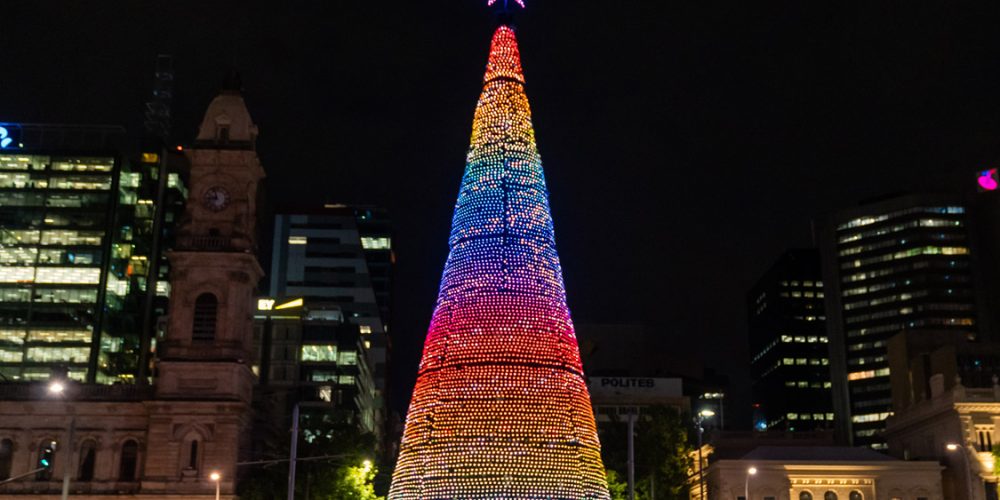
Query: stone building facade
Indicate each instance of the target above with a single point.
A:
(820, 473)
(166, 440)
(956, 426)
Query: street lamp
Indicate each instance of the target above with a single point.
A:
(746, 484)
(215, 476)
(968, 469)
(698, 420)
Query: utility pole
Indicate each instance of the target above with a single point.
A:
(293, 455)
(631, 454)
(68, 466)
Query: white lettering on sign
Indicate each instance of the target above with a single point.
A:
(265, 304)
(647, 383)
(628, 388)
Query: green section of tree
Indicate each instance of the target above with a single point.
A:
(347, 475)
(662, 459)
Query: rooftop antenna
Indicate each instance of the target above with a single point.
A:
(158, 124)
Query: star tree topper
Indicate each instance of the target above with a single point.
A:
(491, 2)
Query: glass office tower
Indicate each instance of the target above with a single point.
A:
(902, 264)
(75, 222)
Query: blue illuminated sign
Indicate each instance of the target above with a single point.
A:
(5, 139)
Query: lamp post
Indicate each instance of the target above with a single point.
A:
(746, 484)
(215, 476)
(968, 469)
(57, 387)
(698, 421)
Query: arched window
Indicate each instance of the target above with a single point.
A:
(206, 306)
(129, 461)
(829, 496)
(856, 495)
(6, 458)
(88, 457)
(805, 495)
(193, 455)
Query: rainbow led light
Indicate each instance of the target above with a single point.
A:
(501, 408)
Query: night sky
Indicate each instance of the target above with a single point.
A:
(686, 144)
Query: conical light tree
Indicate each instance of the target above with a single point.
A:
(501, 407)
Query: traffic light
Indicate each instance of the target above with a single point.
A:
(47, 457)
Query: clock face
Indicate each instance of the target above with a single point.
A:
(216, 198)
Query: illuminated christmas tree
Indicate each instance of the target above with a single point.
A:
(501, 408)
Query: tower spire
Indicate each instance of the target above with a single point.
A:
(501, 407)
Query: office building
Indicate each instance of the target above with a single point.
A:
(314, 359)
(182, 436)
(903, 264)
(75, 230)
(789, 361)
(338, 260)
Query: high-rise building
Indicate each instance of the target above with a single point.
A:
(184, 435)
(501, 408)
(789, 355)
(338, 260)
(314, 359)
(76, 231)
(903, 264)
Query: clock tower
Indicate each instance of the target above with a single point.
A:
(201, 414)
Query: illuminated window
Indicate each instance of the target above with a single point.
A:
(68, 275)
(57, 354)
(83, 165)
(320, 353)
(298, 240)
(365, 329)
(346, 380)
(326, 393)
(792, 416)
(323, 376)
(375, 243)
(871, 417)
(347, 358)
(59, 335)
(9, 356)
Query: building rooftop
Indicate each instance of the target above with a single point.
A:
(817, 454)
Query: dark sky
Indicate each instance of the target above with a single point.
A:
(686, 144)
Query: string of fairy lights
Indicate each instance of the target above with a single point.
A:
(501, 408)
